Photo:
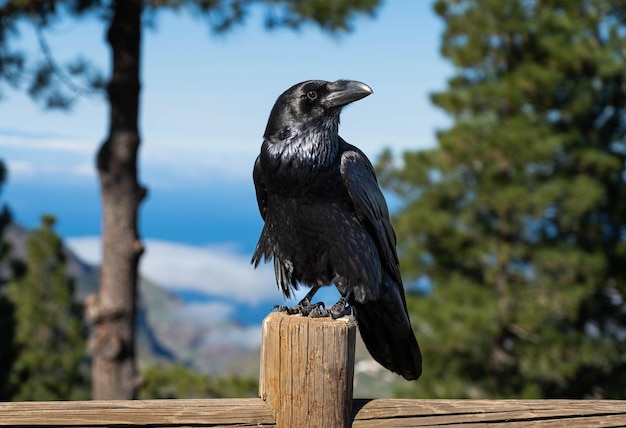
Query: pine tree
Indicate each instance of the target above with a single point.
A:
(7, 326)
(50, 336)
(519, 215)
(177, 381)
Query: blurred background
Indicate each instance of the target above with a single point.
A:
(498, 130)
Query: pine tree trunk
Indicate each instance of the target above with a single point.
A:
(113, 310)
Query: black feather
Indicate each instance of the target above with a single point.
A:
(326, 220)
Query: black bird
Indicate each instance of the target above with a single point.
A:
(327, 222)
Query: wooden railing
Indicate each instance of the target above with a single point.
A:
(306, 381)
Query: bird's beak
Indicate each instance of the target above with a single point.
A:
(342, 92)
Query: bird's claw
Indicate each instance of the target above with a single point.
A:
(305, 309)
(317, 310)
(337, 310)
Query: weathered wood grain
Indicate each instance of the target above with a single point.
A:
(512, 413)
(307, 370)
(254, 412)
(250, 412)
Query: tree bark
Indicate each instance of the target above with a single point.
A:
(113, 309)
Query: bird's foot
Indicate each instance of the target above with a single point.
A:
(338, 310)
(303, 308)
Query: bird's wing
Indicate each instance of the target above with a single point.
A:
(359, 178)
(259, 186)
(384, 323)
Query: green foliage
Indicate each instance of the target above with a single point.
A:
(519, 216)
(7, 326)
(330, 15)
(59, 86)
(55, 86)
(50, 337)
(180, 382)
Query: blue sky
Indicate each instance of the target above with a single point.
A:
(205, 102)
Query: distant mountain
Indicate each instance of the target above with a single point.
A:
(164, 334)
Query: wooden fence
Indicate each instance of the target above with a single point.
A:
(306, 381)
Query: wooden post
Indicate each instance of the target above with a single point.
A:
(307, 370)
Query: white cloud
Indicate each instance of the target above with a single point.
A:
(84, 169)
(88, 248)
(164, 160)
(248, 337)
(23, 169)
(217, 270)
(198, 158)
(205, 313)
(44, 157)
(20, 168)
(67, 144)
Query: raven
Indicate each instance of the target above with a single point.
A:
(327, 222)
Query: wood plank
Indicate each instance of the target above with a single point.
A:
(367, 413)
(162, 413)
(515, 413)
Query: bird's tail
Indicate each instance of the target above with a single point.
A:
(386, 331)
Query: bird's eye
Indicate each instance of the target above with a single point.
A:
(311, 95)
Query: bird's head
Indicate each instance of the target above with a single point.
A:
(310, 105)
